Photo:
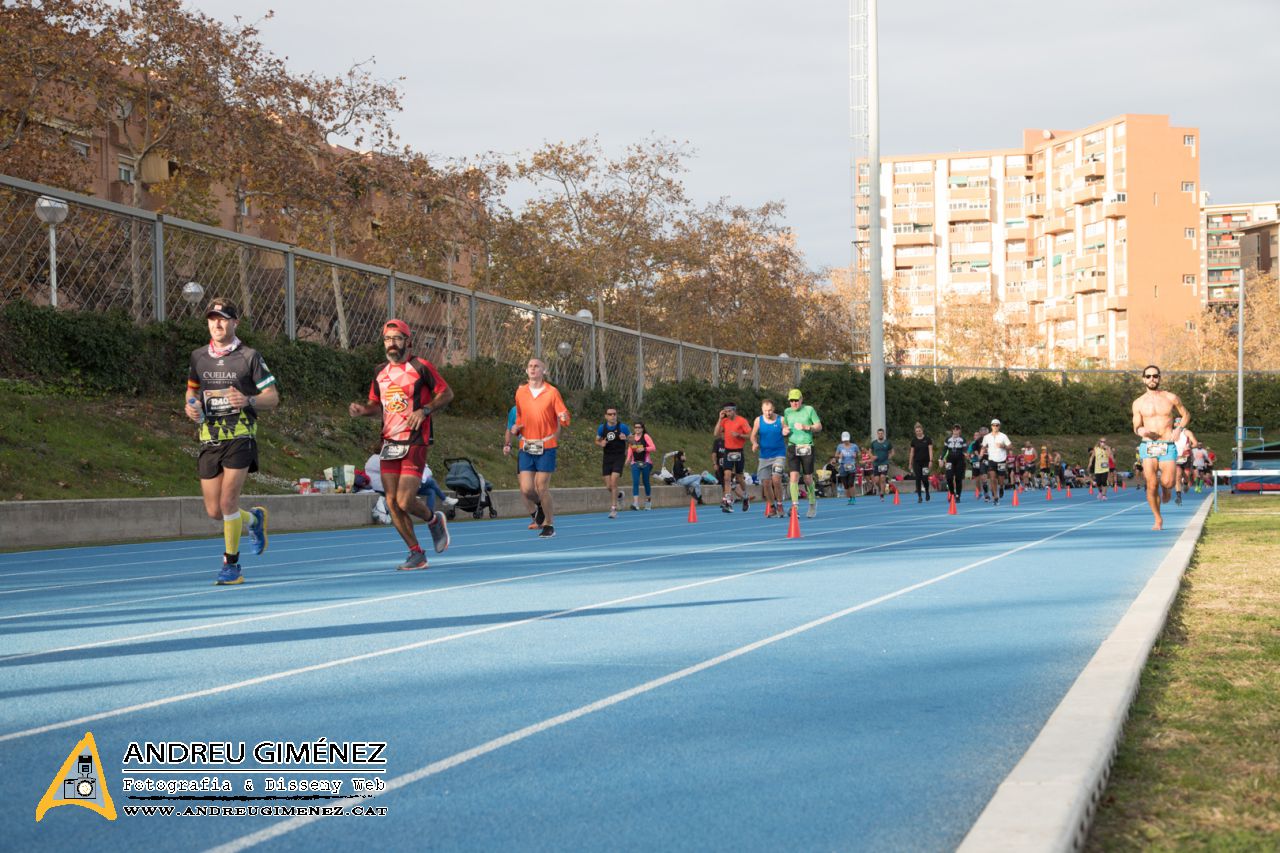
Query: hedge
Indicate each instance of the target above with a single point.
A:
(107, 353)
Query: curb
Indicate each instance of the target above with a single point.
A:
(1047, 802)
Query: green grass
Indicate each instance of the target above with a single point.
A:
(1199, 766)
(58, 444)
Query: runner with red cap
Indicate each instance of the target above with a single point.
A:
(405, 391)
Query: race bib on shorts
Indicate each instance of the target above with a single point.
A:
(1002, 467)
(804, 449)
(1157, 448)
(733, 456)
(882, 469)
(393, 450)
(533, 447)
(777, 467)
(848, 469)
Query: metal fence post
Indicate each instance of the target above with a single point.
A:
(595, 374)
(1064, 379)
(537, 334)
(798, 372)
(755, 372)
(471, 328)
(639, 369)
(715, 367)
(391, 295)
(290, 298)
(157, 269)
(679, 361)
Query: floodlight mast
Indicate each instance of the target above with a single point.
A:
(864, 119)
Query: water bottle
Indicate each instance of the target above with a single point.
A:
(195, 404)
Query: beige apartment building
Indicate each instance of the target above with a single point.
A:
(1237, 235)
(1089, 239)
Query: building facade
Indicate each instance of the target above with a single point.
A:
(1236, 236)
(1087, 239)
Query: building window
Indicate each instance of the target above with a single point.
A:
(1155, 291)
(1188, 279)
(1155, 199)
(1189, 233)
(1191, 325)
(1188, 186)
(81, 148)
(124, 172)
(1189, 140)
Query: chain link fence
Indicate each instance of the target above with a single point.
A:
(116, 258)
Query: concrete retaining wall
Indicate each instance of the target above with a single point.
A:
(44, 524)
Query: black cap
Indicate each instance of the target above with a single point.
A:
(222, 308)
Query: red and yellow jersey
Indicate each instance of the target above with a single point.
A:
(402, 388)
(538, 416)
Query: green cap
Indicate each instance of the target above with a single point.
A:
(795, 394)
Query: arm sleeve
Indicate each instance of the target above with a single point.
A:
(648, 440)
(261, 373)
(511, 418)
(374, 397)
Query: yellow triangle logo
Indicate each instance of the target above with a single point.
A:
(80, 782)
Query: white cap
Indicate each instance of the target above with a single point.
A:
(995, 422)
(844, 436)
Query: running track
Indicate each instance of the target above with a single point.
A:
(639, 683)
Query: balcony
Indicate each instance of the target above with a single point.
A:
(1091, 169)
(1092, 281)
(969, 214)
(1061, 311)
(1059, 224)
(1015, 231)
(1117, 303)
(1037, 292)
(917, 321)
(1033, 206)
(912, 257)
(1087, 261)
(970, 280)
(915, 238)
(1089, 192)
(1116, 205)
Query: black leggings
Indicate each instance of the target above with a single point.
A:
(922, 479)
(955, 479)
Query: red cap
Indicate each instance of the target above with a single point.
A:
(399, 325)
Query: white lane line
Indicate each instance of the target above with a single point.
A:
(537, 552)
(317, 667)
(281, 614)
(437, 767)
(506, 539)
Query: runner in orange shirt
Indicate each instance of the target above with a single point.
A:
(735, 431)
(540, 415)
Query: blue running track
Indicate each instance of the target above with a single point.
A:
(632, 684)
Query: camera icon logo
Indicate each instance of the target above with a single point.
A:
(79, 782)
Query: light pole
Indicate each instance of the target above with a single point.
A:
(586, 316)
(52, 212)
(563, 349)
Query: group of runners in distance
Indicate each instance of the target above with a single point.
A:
(229, 384)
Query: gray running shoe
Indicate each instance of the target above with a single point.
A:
(415, 560)
(439, 533)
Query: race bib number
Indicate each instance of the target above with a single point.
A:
(1002, 467)
(610, 436)
(848, 468)
(533, 447)
(947, 465)
(393, 450)
(882, 469)
(1157, 448)
(733, 456)
(777, 467)
(216, 404)
(804, 449)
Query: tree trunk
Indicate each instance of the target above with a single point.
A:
(602, 368)
(344, 339)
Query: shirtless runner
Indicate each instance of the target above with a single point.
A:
(1153, 415)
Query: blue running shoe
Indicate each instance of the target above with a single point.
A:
(230, 574)
(258, 529)
(439, 532)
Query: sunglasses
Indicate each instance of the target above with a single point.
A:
(394, 339)
(1151, 376)
(610, 414)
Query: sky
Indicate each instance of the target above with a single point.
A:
(760, 90)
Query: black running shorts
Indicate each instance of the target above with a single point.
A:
(236, 454)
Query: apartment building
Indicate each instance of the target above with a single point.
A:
(1090, 238)
(1236, 235)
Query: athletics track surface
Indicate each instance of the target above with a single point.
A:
(639, 683)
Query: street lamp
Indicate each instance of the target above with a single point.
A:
(1240, 356)
(192, 292)
(52, 212)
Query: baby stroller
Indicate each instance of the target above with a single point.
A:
(471, 488)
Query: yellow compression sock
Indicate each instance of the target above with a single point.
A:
(232, 528)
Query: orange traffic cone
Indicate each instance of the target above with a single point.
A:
(895, 496)
(977, 492)
(1090, 488)
(1068, 493)
(693, 510)
(951, 508)
(1048, 494)
(1015, 497)
(793, 529)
